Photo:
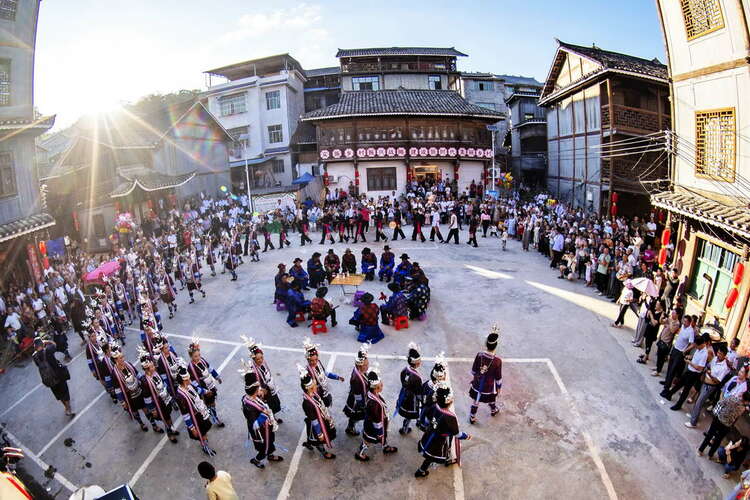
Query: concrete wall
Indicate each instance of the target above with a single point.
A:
(469, 171)
(17, 43)
(26, 202)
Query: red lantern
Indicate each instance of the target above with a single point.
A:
(151, 204)
(666, 235)
(615, 197)
(43, 248)
(662, 256)
(731, 298)
(739, 271)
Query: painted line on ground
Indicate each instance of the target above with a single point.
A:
(33, 389)
(41, 463)
(458, 473)
(70, 424)
(152, 456)
(294, 464)
(593, 450)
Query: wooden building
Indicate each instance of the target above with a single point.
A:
(707, 198)
(375, 141)
(120, 162)
(597, 101)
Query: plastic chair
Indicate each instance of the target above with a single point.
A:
(319, 326)
(401, 322)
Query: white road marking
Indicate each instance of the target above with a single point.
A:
(586, 436)
(294, 464)
(79, 414)
(33, 389)
(152, 456)
(41, 463)
(458, 473)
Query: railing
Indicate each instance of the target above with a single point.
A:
(397, 135)
(637, 119)
(397, 67)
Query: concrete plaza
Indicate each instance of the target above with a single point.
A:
(580, 420)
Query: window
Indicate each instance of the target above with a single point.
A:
(8, 9)
(381, 179)
(241, 140)
(275, 134)
(100, 230)
(488, 105)
(701, 17)
(481, 85)
(715, 143)
(273, 99)
(434, 82)
(233, 104)
(7, 175)
(528, 116)
(365, 83)
(277, 166)
(4, 82)
(718, 263)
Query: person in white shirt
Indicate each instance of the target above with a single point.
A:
(732, 357)
(737, 384)
(13, 320)
(692, 375)
(713, 378)
(625, 302)
(682, 344)
(37, 304)
(453, 229)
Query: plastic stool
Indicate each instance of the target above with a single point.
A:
(357, 300)
(422, 317)
(280, 306)
(401, 322)
(300, 316)
(319, 326)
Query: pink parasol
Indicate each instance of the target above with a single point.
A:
(105, 269)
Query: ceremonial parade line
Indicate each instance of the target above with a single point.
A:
(294, 464)
(41, 463)
(33, 389)
(151, 456)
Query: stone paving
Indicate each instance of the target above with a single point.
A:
(580, 419)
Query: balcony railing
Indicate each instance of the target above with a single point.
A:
(635, 119)
(398, 67)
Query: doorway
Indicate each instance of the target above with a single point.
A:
(430, 173)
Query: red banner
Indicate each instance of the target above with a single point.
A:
(36, 269)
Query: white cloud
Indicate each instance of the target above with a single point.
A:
(297, 20)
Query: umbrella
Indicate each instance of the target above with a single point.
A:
(645, 285)
(306, 177)
(106, 269)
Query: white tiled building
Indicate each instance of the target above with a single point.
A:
(259, 102)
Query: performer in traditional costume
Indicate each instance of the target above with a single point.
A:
(320, 308)
(375, 428)
(321, 428)
(95, 358)
(167, 293)
(332, 264)
(204, 379)
(300, 275)
(365, 321)
(348, 262)
(128, 388)
(368, 262)
(442, 433)
(418, 298)
(358, 388)
(396, 305)
(156, 397)
(194, 411)
(259, 367)
(438, 374)
(261, 423)
(387, 261)
(318, 372)
(167, 364)
(402, 271)
(193, 277)
(410, 397)
(488, 377)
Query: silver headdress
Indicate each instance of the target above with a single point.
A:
(304, 376)
(253, 347)
(440, 369)
(373, 376)
(362, 354)
(194, 345)
(144, 357)
(310, 348)
(413, 355)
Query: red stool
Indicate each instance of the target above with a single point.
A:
(300, 316)
(401, 322)
(319, 326)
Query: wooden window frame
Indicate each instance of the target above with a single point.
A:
(377, 172)
(8, 9)
(8, 171)
(687, 15)
(700, 143)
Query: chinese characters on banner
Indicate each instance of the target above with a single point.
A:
(33, 262)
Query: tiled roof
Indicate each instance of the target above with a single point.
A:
(617, 61)
(733, 219)
(400, 51)
(402, 102)
(150, 181)
(42, 123)
(520, 80)
(26, 225)
(477, 74)
(332, 70)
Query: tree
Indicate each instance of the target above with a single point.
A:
(155, 102)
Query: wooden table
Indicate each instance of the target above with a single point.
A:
(352, 280)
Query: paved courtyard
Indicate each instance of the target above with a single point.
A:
(580, 420)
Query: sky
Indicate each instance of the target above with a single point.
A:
(112, 52)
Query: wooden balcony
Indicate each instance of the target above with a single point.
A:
(635, 120)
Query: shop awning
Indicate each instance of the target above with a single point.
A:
(26, 225)
(250, 162)
(735, 219)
